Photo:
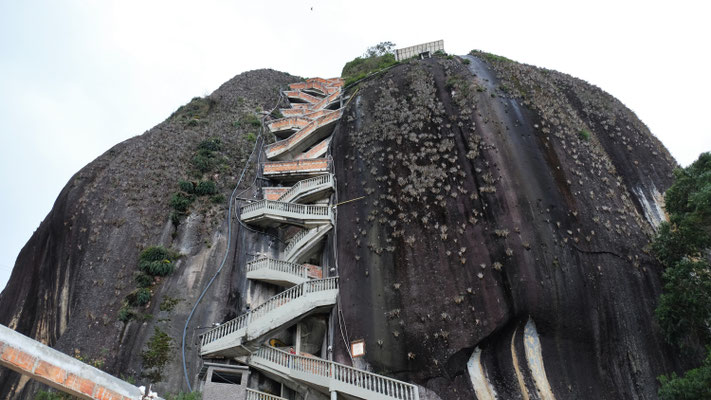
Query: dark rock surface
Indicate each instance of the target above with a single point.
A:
(72, 276)
(497, 192)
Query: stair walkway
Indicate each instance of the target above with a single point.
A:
(306, 189)
(277, 272)
(303, 245)
(296, 169)
(312, 133)
(300, 158)
(272, 213)
(329, 376)
(237, 336)
(315, 151)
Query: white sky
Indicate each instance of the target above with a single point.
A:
(77, 77)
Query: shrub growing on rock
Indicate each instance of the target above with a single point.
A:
(157, 261)
(181, 201)
(206, 188)
(158, 352)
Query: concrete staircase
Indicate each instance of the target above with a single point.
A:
(304, 191)
(294, 170)
(239, 336)
(299, 157)
(274, 213)
(305, 243)
(304, 138)
(281, 273)
(328, 376)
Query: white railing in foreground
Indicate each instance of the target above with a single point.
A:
(304, 185)
(364, 380)
(257, 395)
(271, 304)
(225, 329)
(270, 205)
(278, 265)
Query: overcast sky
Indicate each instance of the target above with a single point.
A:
(77, 77)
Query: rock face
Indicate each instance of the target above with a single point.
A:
(72, 277)
(500, 246)
(499, 193)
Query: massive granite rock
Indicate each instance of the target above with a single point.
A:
(499, 197)
(497, 194)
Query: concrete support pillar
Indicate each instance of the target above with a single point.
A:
(297, 341)
(334, 395)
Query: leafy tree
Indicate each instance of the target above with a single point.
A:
(158, 352)
(682, 245)
(684, 309)
(695, 384)
(379, 49)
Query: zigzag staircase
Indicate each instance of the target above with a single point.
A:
(298, 159)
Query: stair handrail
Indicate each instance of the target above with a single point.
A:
(296, 238)
(303, 132)
(270, 304)
(291, 120)
(304, 185)
(370, 381)
(298, 163)
(305, 209)
(298, 94)
(278, 265)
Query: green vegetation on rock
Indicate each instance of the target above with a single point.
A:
(152, 262)
(694, 384)
(157, 260)
(196, 110)
(169, 303)
(376, 58)
(584, 134)
(158, 352)
(488, 56)
(207, 159)
(682, 245)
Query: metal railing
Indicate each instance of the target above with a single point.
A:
(364, 380)
(278, 265)
(271, 304)
(302, 209)
(305, 185)
(257, 395)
